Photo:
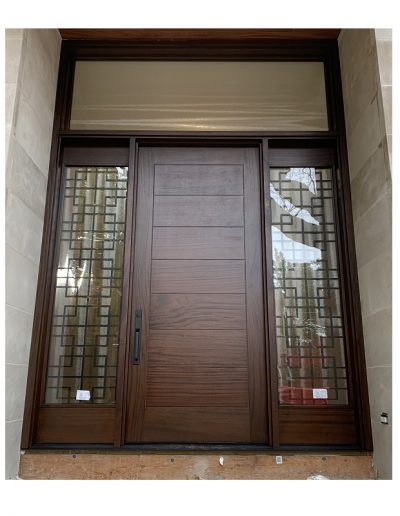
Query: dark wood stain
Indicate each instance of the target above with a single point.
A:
(198, 180)
(195, 424)
(200, 276)
(204, 243)
(347, 426)
(203, 348)
(76, 424)
(311, 426)
(205, 35)
(198, 311)
(221, 210)
(196, 386)
(217, 348)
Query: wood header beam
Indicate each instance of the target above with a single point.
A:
(164, 35)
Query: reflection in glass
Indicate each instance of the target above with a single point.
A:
(85, 324)
(309, 323)
(199, 96)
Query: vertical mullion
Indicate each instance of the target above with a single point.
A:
(125, 330)
(270, 321)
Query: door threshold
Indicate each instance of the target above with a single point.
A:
(195, 448)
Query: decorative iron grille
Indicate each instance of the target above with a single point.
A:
(309, 325)
(86, 315)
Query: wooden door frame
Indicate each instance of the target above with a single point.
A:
(205, 49)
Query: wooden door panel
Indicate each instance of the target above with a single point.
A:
(198, 180)
(198, 281)
(197, 386)
(201, 276)
(196, 424)
(198, 311)
(218, 348)
(190, 210)
(206, 243)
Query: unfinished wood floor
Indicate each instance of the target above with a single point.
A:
(202, 466)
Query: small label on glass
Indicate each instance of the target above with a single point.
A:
(83, 395)
(320, 394)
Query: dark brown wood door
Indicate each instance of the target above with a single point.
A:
(200, 374)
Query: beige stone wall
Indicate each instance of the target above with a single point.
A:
(32, 58)
(366, 76)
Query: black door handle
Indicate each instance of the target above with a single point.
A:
(137, 337)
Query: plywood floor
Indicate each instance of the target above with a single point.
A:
(193, 466)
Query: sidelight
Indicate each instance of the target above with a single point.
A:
(309, 324)
(86, 314)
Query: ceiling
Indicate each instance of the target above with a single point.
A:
(147, 35)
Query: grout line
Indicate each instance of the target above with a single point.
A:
(20, 309)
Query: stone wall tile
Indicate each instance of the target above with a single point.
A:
(13, 432)
(23, 229)
(376, 284)
(33, 132)
(382, 450)
(373, 231)
(355, 49)
(380, 391)
(18, 335)
(21, 281)
(387, 107)
(13, 52)
(370, 184)
(384, 51)
(378, 338)
(15, 387)
(364, 138)
(25, 179)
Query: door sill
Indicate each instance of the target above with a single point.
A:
(196, 447)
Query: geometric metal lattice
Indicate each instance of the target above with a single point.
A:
(84, 342)
(309, 324)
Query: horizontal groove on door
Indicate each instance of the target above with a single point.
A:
(198, 179)
(194, 424)
(198, 243)
(82, 424)
(198, 311)
(216, 210)
(176, 386)
(317, 426)
(212, 348)
(198, 276)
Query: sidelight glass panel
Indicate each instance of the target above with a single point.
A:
(82, 362)
(309, 323)
(199, 96)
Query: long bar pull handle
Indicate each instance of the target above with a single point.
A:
(138, 332)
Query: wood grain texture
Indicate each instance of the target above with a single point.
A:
(198, 179)
(197, 336)
(135, 397)
(166, 35)
(213, 348)
(313, 426)
(198, 311)
(198, 276)
(256, 337)
(79, 425)
(186, 210)
(198, 243)
(195, 424)
(196, 386)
